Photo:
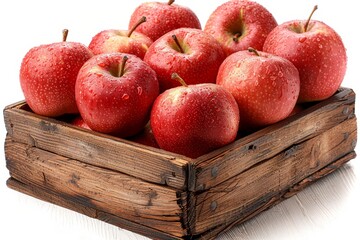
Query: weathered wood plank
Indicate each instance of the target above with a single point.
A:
(72, 204)
(149, 164)
(229, 161)
(213, 233)
(107, 190)
(237, 196)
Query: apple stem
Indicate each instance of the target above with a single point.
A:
(178, 43)
(170, 2)
(65, 33)
(142, 20)
(240, 31)
(122, 66)
(176, 77)
(253, 50)
(308, 21)
(236, 37)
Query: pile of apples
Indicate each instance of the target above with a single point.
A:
(168, 83)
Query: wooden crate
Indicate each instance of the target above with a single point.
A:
(168, 196)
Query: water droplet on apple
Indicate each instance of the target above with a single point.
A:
(302, 39)
(102, 64)
(320, 46)
(318, 39)
(125, 96)
(280, 74)
(50, 48)
(281, 93)
(267, 71)
(139, 90)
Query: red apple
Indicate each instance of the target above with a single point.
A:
(123, 41)
(163, 17)
(48, 75)
(194, 119)
(115, 92)
(192, 53)
(240, 24)
(316, 50)
(265, 86)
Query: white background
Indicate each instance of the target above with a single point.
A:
(328, 209)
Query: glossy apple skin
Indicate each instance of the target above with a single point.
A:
(115, 105)
(199, 64)
(48, 75)
(113, 40)
(266, 87)
(249, 18)
(195, 120)
(162, 18)
(319, 54)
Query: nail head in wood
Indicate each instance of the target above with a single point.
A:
(252, 147)
(213, 205)
(214, 172)
(346, 110)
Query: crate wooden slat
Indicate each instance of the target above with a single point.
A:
(168, 196)
(95, 148)
(79, 206)
(118, 194)
(227, 201)
(76, 205)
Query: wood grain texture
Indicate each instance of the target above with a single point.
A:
(78, 206)
(244, 193)
(95, 148)
(115, 193)
(61, 200)
(239, 228)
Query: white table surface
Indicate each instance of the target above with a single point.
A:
(328, 209)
